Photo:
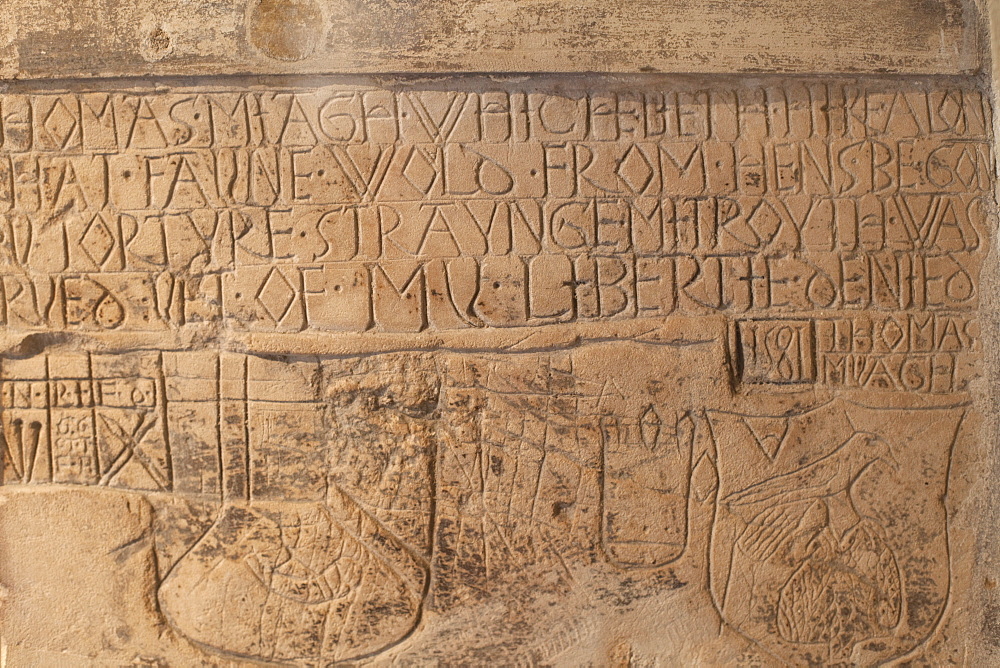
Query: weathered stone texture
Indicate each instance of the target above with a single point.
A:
(623, 370)
(173, 37)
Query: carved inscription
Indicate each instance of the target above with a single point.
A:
(476, 371)
(334, 209)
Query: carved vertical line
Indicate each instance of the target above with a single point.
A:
(161, 389)
(93, 417)
(4, 449)
(246, 428)
(218, 427)
(29, 466)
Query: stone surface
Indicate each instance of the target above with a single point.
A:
(626, 370)
(175, 37)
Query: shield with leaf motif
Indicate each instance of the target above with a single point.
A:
(830, 539)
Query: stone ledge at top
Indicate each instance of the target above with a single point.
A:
(54, 39)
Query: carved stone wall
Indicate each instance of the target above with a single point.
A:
(495, 369)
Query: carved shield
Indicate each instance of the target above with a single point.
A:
(325, 558)
(830, 539)
(282, 581)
